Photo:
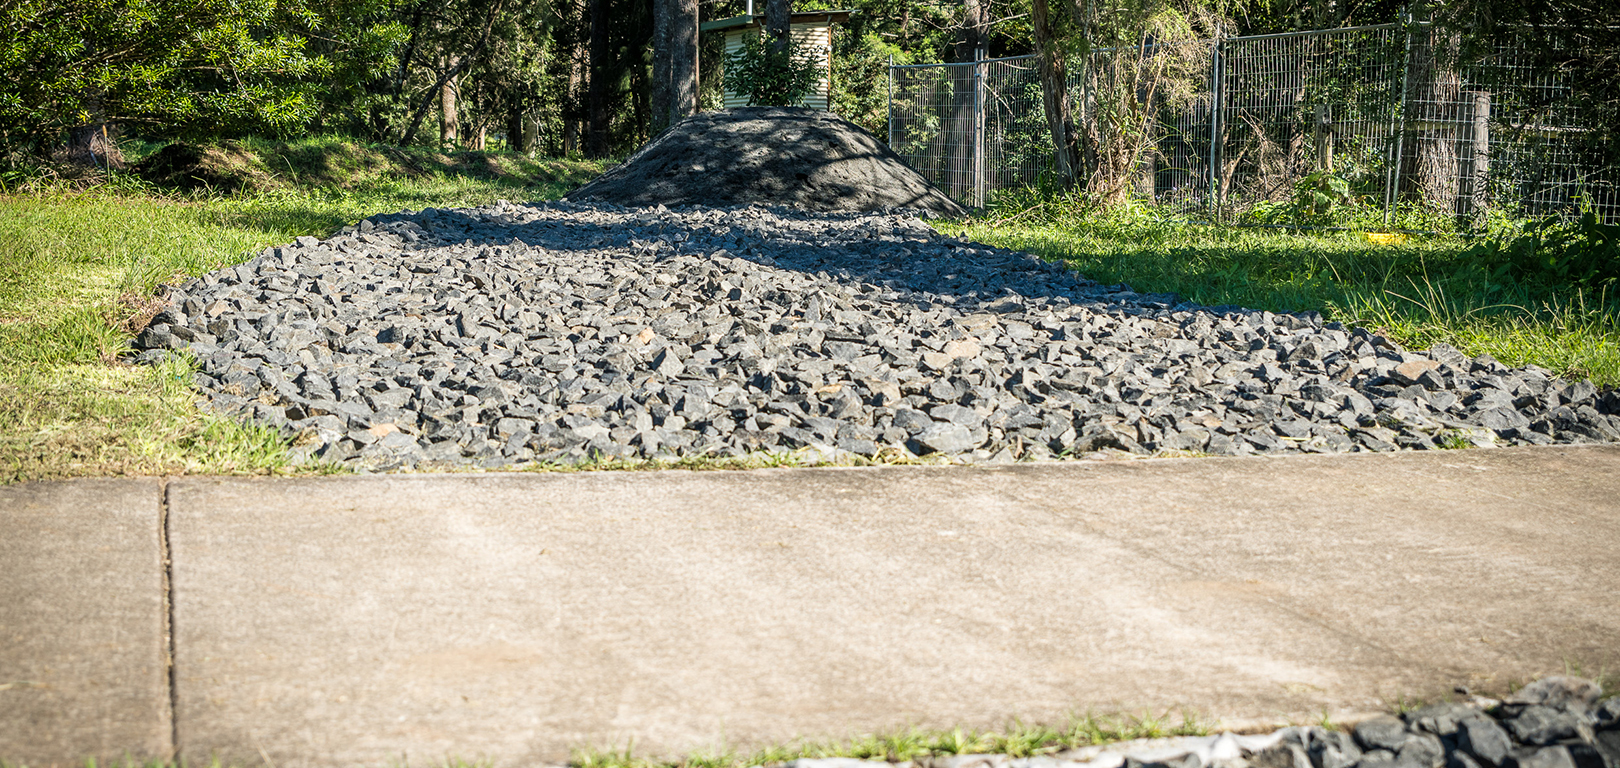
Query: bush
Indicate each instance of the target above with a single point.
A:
(1585, 253)
(771, 81)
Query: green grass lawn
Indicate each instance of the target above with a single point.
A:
(78, 268)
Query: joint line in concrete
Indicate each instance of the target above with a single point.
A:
(168, 617)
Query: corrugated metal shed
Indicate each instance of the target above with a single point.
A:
(812, 34)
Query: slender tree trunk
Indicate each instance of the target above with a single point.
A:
(427, 99)
(959, 132)
(640, 98)
(449, 114)
(778, 25)
(575, 98)
(596, 144)
(662, 21)
(93, 145)
(1055, 94)
(516, 139)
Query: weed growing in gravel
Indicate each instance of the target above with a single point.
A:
(1417, 290)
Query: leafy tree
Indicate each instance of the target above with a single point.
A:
(182, 68)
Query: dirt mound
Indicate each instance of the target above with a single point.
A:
(224, 168)
(325, 162)
(795, 158)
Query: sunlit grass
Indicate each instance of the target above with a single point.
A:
(1018, 739)
(1417, 290)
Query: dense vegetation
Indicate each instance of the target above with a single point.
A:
(567, 76)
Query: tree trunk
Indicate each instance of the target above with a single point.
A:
(778, 25)
(964, 123)
(449, 114)
(1437, 99)
(659, 90)
(92, 146)
(640, 103)
(1055, 94)
(427, 98)
(683, 60)
(596, 140)
(575, 98)
(516, 139)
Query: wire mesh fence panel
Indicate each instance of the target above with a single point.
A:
(932, 125)
(1365, 126)
(1307, 108)
(1539, 153)
(971, 128)
(1018, 144)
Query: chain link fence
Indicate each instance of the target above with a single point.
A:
(1370, 126)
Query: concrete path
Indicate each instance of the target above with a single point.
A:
(369, 620)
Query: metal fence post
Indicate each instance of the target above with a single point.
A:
(891, 101)
(978, 127)
(1215, 87)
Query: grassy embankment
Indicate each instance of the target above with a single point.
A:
(75, 267)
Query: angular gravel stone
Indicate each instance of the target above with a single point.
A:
(1383, 732)
(1483, 738)
(1562, 691)
(947, 438)
(1542, 725)
(1540, 757)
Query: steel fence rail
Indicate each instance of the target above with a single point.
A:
(1264, 128)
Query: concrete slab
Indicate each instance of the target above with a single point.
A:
(511, 617)
(83, 654)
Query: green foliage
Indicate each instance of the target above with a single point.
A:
(1585, 253)
(1320, 192)
(170, 67)
(772, 80)
(1321, 198)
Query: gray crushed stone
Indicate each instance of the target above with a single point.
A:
(805, 159)
(1571, 728)
(568, 332)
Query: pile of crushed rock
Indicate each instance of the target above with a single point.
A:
(568, 332)
(803, 159)
(1556, 722)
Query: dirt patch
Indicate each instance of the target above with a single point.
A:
(221, 167)
(796, 158)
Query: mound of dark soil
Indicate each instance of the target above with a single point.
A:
(224, 168)
(234, 166)
(795, 158)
